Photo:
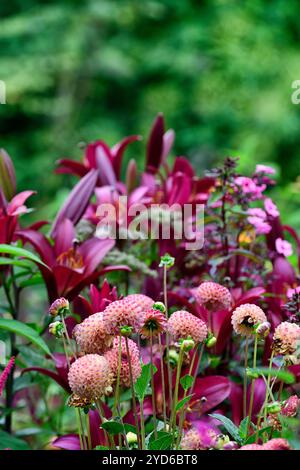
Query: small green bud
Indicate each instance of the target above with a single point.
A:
(273, 408)
(56, 329)
(173, 357)
(187, 344)
(126, 330)
(131, 438)
(159, 306)
(210, 341)
(252, 374)
(167, 261)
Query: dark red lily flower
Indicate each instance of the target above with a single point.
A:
(99, 156)
(99, 299)
(70, 265)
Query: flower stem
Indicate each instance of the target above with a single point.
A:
(263, 410)
(152, 386)
(175, 399)
(117, 391)
(245, 378)
(132, 392)
(252, 385)
(79, 429)
(165, 287)
(143, 436)
(163, 382)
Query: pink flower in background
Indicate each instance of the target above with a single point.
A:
(260, 225)
(283, 247)
(271, 208)
(257, 212)
(249, 186)
(291, 292)
(267, 170)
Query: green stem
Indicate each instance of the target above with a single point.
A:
(263, 410)
(163, 382)
(252, 385)
(152, 386)
(132, 392)
(175, 399)
(245, 378)
(165, 288)
(79, 429)
(143, 435)
(88, 432)
(118, 376)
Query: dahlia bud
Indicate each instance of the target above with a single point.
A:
(167, 261)
(263, 329)
(126, 331)
(56, 329)
(60, 306)
(173, 357)
(131, 438)
(273, 408)
(159, 306)
(187, 344)
(211, 341)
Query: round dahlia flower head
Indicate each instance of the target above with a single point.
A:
(184, 325)
(125, 313)
(143, 301)
(252, 447)
(202, 439)
(90, 377)
(245, 317)
(213, 296)
(112, 357)
(286, 338)
(291, 406)
(91, 335)
(154, 322)
(277, 444)
(59, 307)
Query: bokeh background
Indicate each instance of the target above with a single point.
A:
(221, 72)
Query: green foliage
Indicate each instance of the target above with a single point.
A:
(25, 331)
(220, 71)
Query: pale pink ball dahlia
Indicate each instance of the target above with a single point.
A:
(213, 296)
(277, 444)
(91, 335)
(143, 301)
(90, 377)
(122, 313)
(291, 406)
(245, 317)
(154, 322)
(286, 338)
(112, 357)
(252, 447)
(184, 325)
(194, 439)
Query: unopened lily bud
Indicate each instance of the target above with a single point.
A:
(159, 306)
(273, 408)
(56, 329)
(263, 329)
(131, 175)
(210, 341)
(59, 307)
(187, 344)
(126, 331)
(131, 438)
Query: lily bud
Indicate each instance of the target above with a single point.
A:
(56, 329)
(7, 175)
(131, 175)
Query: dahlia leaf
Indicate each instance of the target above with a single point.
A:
(283, 375)
(112, 427)
(142, 382)
(182, 402)
(162, 443)
(186, 382)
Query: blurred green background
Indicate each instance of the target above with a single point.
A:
(221, 71)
